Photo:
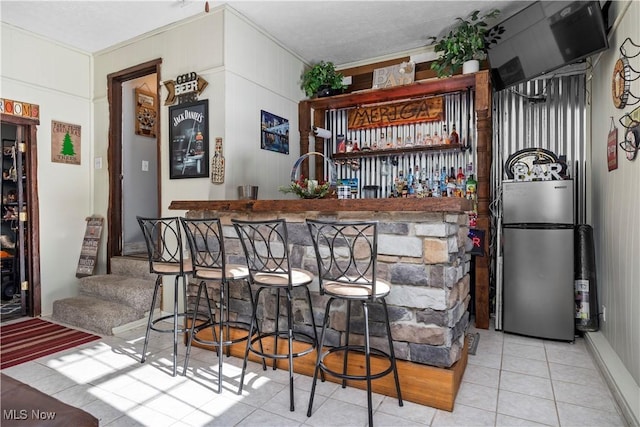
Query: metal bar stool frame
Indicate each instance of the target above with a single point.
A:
(163, 238)
(265, 245)
(205, 238)
(346, 254)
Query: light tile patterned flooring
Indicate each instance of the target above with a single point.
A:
(511, 381)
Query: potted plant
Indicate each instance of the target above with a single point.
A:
(467, 41)
(322, 80)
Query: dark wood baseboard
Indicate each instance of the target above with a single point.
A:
(422, 384)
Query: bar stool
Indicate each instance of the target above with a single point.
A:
(347, 255)
(206, 245)
(265, 245)
(163, 238)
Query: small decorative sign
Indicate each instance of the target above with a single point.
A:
(612, 149)
(217, 163)
(477, 237)
(65, 143)
(21, 109)
(90, 246)
(394, 75)
(185, 88)
(146, 113)
(534, 164)
(415, 111)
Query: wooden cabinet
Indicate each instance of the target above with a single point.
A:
(314, 112)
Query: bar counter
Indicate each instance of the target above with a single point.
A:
(423, 251)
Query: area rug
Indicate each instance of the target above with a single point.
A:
(28, 340)
(473, 339)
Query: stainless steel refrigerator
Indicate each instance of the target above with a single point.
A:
(538, 245)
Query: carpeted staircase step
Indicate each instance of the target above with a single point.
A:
(131, 267)
(94, 314)
(130, 291)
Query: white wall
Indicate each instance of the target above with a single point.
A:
(217, 47)
(56, 78)
(614, 207)
(260, 75)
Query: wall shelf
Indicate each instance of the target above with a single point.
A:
(398, 151)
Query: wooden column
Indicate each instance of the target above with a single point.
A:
(484, 132)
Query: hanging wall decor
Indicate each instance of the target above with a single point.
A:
(623, 75)
(217, 163)
(274, 132)
(184, 89)
(66, 143)
(146, 113)
(631, 124)
(189, 140)
(612, 147)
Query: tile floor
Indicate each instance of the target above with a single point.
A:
(511, 381)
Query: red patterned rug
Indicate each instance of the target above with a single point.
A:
(28, 340)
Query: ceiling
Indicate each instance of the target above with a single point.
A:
(339, 31)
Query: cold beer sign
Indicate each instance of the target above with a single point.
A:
(185, 88)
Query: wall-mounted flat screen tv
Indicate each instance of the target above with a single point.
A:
(543, 37)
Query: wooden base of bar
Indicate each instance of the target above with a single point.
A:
(422, 384)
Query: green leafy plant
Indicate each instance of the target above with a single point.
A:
(468, 40)
(323, 75)
(308, 189)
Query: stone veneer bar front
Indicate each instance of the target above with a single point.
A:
(423, 251)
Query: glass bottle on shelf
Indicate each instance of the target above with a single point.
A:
(435, 182)
(435, 139)
(443, 182)
(455, 138)
(445, 135)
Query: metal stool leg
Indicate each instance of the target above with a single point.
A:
(325, 323)
(392, 353)
(150, 320)
(367, 356)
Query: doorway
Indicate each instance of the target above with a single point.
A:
(20, 218)
(134, 159)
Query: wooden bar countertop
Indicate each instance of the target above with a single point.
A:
(430, 204)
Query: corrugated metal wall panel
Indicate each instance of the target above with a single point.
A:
(546, 113)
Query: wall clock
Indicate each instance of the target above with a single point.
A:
(620, 82)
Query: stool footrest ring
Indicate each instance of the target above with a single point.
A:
(169, 328)
(360, 350)
(308, 339)
(233, 324)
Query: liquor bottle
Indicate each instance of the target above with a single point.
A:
(471, 188)
(460, 183)
(460, 178)
(435, 184)
(455, 138)
(445, 135)
(443, 182)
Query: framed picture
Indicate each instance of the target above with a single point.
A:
(146, 113)
(189, 140)
(274, 133)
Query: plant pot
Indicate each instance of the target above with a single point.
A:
(470, 66)
(323, 91)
